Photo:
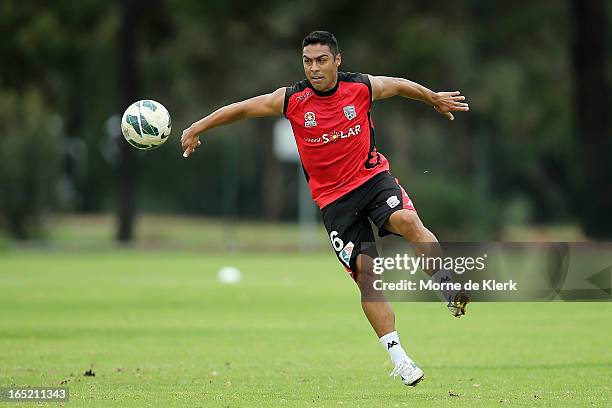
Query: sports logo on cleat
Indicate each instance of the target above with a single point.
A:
(391, 344)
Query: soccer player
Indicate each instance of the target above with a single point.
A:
(349, 178)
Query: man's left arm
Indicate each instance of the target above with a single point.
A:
(444, 102)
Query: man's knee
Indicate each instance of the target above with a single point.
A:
(408, 223)
(364, 266)
(366, 278)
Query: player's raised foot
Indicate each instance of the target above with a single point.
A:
(408, 371)
(457, 306)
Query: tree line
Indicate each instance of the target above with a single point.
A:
(534, 148)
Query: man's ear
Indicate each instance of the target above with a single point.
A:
(338, 60)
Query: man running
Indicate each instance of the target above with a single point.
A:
(349, 179)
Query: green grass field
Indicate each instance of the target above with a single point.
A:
(158, 329)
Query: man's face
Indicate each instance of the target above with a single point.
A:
(320, 66)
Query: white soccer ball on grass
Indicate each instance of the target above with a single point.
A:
(229, 275)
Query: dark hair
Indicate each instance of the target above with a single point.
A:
(322, 37)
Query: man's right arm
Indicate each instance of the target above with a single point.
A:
(263, 105)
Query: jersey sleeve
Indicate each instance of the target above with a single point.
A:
(289, 91)
(357, 77)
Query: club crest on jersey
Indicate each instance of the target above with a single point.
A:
(349, 112)
(310, 119)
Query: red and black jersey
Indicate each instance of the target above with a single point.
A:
(334, 133)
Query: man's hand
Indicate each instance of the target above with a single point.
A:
(190, 140)
(263, 105)
(447, 102)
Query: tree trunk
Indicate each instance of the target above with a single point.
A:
(592, 115)
(128, 82)
(272, 174)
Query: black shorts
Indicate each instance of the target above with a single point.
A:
(347, 218)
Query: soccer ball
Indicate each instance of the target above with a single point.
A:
(229, 275)
(146, 124)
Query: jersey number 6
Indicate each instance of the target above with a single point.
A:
(337, 243)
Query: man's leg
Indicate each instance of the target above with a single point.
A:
(376, 308)
(381, 317)
(407, 223)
